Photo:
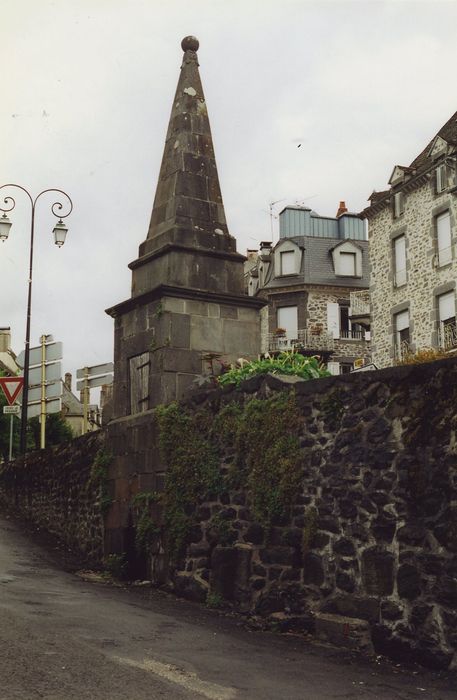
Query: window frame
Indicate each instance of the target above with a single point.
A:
(443, 258)
(290, 256)
(441, 178)
(398, 204)
(400, 277)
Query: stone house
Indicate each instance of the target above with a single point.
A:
(315, 280)
(412, 234)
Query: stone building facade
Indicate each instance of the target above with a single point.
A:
(412, 234)
(310, 279)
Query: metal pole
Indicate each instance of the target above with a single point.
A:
(86, 399)
(25, 391)
(11, 438)
(56, 208)
(43, 394)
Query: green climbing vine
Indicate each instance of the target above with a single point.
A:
(146, 528)
(259, 442)
(99, 477)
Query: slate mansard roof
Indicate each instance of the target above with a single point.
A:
(317, 265)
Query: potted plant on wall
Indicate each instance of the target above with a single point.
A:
(279, 332)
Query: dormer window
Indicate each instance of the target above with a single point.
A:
(347, 260)
(287, 259)
(441, 178)
(287, 262)
(347, 264)
(399, 204)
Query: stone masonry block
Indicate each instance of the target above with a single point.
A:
(196, 308)
(173, 304)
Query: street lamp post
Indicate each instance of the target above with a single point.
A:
(59, 231)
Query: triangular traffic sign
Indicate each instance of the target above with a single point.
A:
(12, 387)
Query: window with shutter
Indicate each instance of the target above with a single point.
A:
(443, 238)
(347, 264)
(333, 319)
(447, 321)
(399, 204)
(287, 262)
(139, 383)
(400, 261)
(441, 178)
(402, 334)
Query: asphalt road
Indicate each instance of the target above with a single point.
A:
(64, 638)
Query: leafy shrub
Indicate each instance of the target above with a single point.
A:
(288, 362)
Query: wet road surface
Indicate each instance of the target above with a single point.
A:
(63, 638)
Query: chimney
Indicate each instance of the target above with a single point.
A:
(67, 381)
(342, 209)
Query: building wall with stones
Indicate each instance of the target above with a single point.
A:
(425, 279)
(364, 551)
(367, 550)
(346, 350)
(61, 490)
(427, 189)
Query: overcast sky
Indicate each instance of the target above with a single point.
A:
(87, 88)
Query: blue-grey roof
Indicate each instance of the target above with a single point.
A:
(317, 265)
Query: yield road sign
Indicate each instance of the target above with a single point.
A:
(12, 387)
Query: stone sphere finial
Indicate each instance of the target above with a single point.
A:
(190, 43)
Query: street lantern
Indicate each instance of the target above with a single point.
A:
(5, 225)
(60, 232)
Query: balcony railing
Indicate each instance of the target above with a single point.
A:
(402, 350)
(448, 336)
(359, 303)
(352, 335)
(305, 340)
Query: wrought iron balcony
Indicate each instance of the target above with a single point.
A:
(305, 340)
(402, 350)
(359, 307)
(448, 336)
(359, 303)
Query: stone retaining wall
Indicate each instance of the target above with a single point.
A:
(366, 549)
(372, 532)
(57, 490)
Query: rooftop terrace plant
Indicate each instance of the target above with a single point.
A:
(288, 362)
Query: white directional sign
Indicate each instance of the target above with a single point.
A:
(96, 369)
(12, 410)
(52, 372)
(53, 406)
(53, 352)
(95, 381)
(53, 391)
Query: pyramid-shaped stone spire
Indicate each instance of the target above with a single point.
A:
(188, 193)
(188, 300)
(188, 220)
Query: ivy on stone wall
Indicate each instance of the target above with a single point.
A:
(254, 446)
(192, 469)
(99, 477)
